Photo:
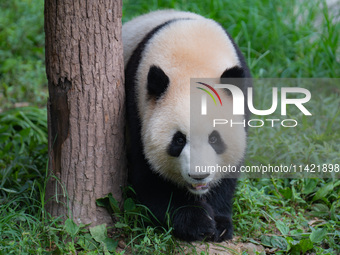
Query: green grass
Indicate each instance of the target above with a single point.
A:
(294, 39)
(22, 54)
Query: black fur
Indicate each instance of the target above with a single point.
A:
(158, 82)
(234, 72)
(216, 142)
(193, 217)
(177, 144)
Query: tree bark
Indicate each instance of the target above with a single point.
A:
(86, 108)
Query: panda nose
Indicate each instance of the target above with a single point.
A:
(199, 177)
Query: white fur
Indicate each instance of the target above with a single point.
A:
(197, 48)
(135, 30)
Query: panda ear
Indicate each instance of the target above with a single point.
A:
(232, 76)
(158, 82)
(234, 72)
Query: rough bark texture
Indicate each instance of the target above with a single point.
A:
(84, 66)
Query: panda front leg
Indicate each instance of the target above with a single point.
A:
(191, 220)
(221, 200)
(194, 222)
(224, 228)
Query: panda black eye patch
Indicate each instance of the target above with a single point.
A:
(216, 142)
(158, 82)
(177, 144)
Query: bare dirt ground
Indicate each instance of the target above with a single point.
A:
(224, 248)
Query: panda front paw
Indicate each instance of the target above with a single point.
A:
(194, 224)
(224, 228)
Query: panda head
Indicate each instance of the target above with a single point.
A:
(173, 144)
(182, 149)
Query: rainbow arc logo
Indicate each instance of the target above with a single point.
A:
(204, 98)
(209, 93)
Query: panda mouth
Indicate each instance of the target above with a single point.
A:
(198, 186)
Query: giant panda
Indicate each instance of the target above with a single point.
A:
(162, 51)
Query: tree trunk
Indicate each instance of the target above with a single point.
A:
(86, 108)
